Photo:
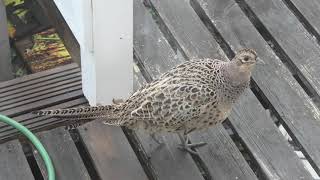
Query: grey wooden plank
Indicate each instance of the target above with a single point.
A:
(13, 163)
(33, 90)
(256, 113)
(157, 56)
(41, 97)
(281, 89)
(31, 118)
(222, 156)
(54, 98)
(294, 39)
(26, 85)
(272, 152)
(38, 86)
(44, 75)
(182, 25)
(147, 37)
(167, 160)
(5, 58)
(38, 127)
(55, 88)
(310, 11)
(64, 155)
(37, 123)
(34, 127)
(111, 152)
(40, 93)
(305, 53)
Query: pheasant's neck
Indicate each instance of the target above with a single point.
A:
(235, 74)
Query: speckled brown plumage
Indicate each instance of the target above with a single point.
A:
(194, 95)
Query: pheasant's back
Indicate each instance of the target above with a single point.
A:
(179, 97)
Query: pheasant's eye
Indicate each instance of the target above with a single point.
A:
(246, 58)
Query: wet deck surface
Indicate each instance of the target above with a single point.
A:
(284, 96)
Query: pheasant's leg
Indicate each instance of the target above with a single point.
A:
(193, 145)
(188, 147)
(153, 136)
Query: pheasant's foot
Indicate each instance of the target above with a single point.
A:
(196, 145)
(186, 146)
(189, 147)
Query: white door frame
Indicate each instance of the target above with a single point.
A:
(104, 30)
(5, 57)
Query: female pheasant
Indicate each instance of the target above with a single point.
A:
(194, 95)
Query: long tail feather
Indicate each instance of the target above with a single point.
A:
(82, 113)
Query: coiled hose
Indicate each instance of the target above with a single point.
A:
(35, 141)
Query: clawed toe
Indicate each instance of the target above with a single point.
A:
(196, 145)
(188, 147)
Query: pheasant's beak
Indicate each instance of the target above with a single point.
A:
(260, 62)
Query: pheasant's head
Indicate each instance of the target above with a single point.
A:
(246, 59)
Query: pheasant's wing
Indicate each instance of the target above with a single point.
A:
(177, 94)
(173, 103)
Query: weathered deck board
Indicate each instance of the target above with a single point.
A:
(294, 39)
(31, 118)
(254, 111)
(42, 96)
(168, 162)
(36, 123)
(59, 87)
(310, 10)
(5, 59)
(303, 120)
(13, 163)
(63, 152)
(38, 103)
(184, 31)
(166, 159)
(111, 152)
(148, 37)
(272, 152)
(281, 89)
(222, 157)
(33, 93)
(37, 86)
(38, 77)
(39, 92)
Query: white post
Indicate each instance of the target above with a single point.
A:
(5, 59)
(104, 30)
(113, 48)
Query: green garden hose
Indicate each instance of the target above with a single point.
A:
(35, 141)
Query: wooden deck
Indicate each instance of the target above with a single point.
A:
(285, 94)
